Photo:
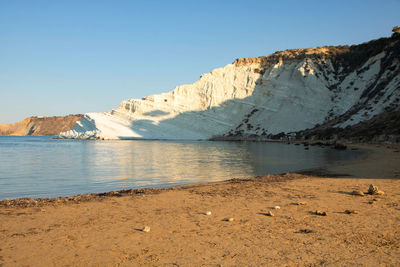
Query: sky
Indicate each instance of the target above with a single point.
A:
(70, 57)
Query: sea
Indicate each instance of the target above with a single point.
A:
(48, 167)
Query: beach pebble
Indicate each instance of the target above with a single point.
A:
(373, 190)
(373, 201)
(321, 213)
(357, 193)
(207, 213)
(351, 212)
(146, 229)
(269, 213)
(230, 219)
(275, 207)
(305, 231)
(301, 203)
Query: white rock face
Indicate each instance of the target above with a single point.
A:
(248, 98)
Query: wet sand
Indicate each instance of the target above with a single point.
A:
(105, 229)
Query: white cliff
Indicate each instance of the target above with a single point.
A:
(284, 92)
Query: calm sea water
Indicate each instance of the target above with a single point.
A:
(48, 167)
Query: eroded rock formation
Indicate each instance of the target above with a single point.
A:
(287, 91)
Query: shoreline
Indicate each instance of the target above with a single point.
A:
(343, 170)
(275, 220)
(380, 161)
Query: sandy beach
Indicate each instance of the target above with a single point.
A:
(107, 229)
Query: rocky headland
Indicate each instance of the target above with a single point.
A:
(40, 126)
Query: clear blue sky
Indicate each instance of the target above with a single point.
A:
(67, 57)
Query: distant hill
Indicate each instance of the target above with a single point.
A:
(40, 126)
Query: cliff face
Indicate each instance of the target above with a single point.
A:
(287, 91)
(40, 126)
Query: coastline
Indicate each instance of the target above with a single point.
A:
(380, 161)
(297, 157)
(105, 229)
(324, 171)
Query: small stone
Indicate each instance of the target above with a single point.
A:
(275, 207)
(301, 203)
(372, 190)
(305, 231)
(357, 193)
(146, 229)
(207, 213)
(321, 213)
(351, 212)
(269, 213)
(230, 219)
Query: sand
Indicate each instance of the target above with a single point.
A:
(105, 230)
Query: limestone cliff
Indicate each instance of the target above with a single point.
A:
(41, 126)
(287, 91)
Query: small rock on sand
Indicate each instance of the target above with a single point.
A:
(275, 207)
(305, 231)
(351, 212)
(230, 219)
(207, 213)
(269, 213)
(321, 213)
(146, 229)
(373, 201)
(373, 190)
(301, 203)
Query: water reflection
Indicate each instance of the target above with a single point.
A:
(42, 167)
(154, 162)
